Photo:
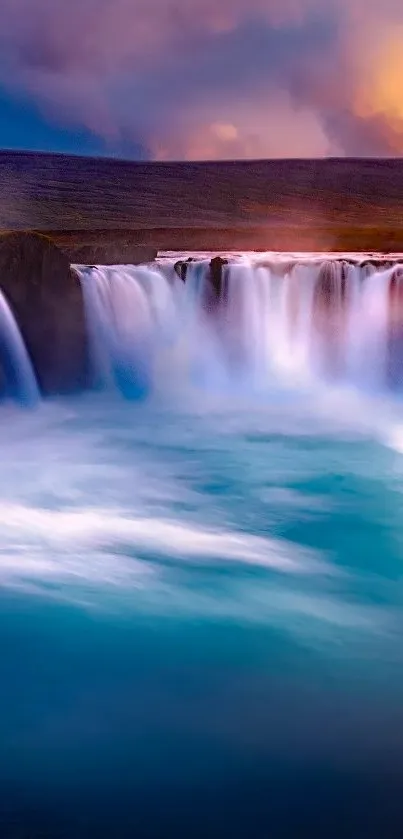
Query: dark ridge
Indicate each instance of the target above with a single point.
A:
(330, 204)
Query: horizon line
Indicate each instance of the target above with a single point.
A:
(202, 162)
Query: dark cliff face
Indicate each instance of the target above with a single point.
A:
(45, 296)
(181, 268)
(106, 252)
(216, 274)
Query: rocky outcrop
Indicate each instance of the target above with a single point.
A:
(375, 265)
(109, 253)
(46, 299)
(181, 268)
(216, 274)
(214, 289)
(331, 286)
(394, 366)
(330, 304)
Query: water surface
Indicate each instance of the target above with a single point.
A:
(201, 615)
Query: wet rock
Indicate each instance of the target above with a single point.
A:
(395, 297)
(216, 274)
(371, 265)
(181, 268)
(395, 329)
(331, 286)
(329, 315)
(45, 296)
(367, 268)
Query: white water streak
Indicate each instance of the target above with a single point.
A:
(288, 324)
(19, 375)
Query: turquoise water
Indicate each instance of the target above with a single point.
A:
(201, 616)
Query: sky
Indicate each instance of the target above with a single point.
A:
(202, 79)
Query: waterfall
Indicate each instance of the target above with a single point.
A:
(19, 381)
(131, 313)
(288, 321)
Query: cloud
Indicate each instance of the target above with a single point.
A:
(107, 35)
(270, 127)
(378, 94)
(201, 78)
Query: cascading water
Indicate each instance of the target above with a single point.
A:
(201, 593)
(291, 323)
(19, 380)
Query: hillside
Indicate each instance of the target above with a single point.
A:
(280, 204)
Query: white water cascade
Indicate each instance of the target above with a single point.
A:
(288, 321)
(18, 377)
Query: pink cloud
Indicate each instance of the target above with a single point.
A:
(74, 59)
(270, 126)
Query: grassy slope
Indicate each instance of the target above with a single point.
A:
(295, 204)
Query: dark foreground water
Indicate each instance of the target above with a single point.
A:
(201, 618)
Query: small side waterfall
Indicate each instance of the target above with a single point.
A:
(292, 322)
(19, 381)
(131, 314)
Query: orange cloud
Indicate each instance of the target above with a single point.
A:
(267, 127)
(379, 90)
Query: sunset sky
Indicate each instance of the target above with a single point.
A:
(202, 79)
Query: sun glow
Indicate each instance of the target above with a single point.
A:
(380, 94)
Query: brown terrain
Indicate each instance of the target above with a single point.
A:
(56, 210)
(94, 207)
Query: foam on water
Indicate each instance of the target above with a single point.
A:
(100, 495)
